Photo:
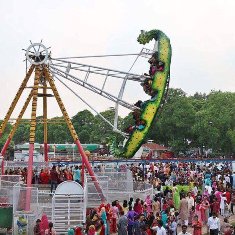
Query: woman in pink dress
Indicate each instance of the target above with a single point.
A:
(197, 210)
(148, 202)
(115, 215)
(204, 207)
(197, 226)
(218, 194)
(138, 207)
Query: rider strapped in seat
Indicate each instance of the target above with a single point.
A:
(155, 66)
(139, 124)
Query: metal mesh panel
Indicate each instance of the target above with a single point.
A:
(11, 179)
(19, 197)
(117, 186)
(6, 188)
(93, 197)
(121, 181)
(123, 195)
(19, 205)
(6, 195)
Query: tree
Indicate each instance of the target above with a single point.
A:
(103, 131)
(176, 120)
(22, 133)
(58, 131)
(84, 124)
(215, 122)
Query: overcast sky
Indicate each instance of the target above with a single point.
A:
(201, 32)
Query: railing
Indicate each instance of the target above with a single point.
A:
(10, 178)
(20, 194)
(117, 186)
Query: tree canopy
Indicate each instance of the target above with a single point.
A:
(198, 121)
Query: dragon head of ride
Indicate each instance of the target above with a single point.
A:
(146, 37)
(143, 37)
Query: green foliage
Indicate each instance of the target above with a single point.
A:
(216, 122)
(173, 127)
(3, 139)
(104, 132)
(181, 188)
(84, 124)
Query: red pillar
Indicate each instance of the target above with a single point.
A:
(83, 172)
(89, 169)
(29, 176)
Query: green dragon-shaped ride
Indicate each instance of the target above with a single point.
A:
(159, 85)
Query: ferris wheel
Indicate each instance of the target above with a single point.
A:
(68, 70)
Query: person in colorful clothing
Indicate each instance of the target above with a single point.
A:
(131, 215)
(197, 226)
(122, 224)
(204, 207)
(176, 196)
(115, 215)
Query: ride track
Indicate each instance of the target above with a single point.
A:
(159, 86)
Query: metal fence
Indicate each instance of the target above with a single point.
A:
(20, 193)
(117, 186)
(7, 180)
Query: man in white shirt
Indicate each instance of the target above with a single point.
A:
(213, 224)
(159, 229)
(227, 178)
(184, 230)
(190, 200)
(149, 174)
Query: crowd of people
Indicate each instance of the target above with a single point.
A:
(185, 194)
(53, 176)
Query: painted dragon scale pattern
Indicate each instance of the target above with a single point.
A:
(159, 85)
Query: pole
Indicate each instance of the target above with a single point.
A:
(83, 172)
(54, 146)
(72, 131)
(32, 137)
(73, 146)
(15, 100)
(45, 120)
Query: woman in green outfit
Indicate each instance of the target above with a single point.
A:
(176, 196)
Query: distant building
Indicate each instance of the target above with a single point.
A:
(153, 150)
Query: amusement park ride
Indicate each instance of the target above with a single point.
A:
(47, 69)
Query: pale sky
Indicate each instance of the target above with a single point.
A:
(201, 32)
